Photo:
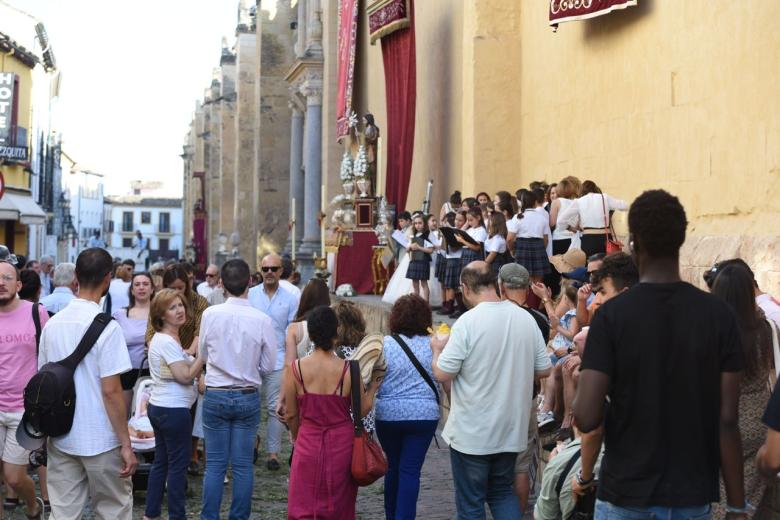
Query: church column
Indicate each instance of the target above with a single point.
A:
(296, 173)
(312, 90)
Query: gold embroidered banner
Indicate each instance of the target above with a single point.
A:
(570, 10)
(387, 16)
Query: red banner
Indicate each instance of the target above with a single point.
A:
(570, 10)
(348, 21)
(387, 16)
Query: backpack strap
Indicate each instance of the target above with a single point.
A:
(569, 465)
(94, 331)
(417, 365)
(357, 386)
(36, 316)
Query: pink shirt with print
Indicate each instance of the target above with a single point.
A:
(18, 357)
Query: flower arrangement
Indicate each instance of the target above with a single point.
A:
(360, 165)
(346, 173)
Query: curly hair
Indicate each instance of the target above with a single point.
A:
(620, 269)
(410, 316)
(352, 325)
(657, 222)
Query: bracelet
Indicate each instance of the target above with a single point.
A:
(545, 300)
(739, 510)
(582, 482)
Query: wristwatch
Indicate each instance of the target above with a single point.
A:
(545, 300)
(582, 482)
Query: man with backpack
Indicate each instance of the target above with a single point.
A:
(94, 458)
(18, 346)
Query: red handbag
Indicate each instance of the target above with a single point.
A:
(613, 244)
(368, 460)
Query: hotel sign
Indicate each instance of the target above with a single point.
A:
(6, 107)
(570, 10)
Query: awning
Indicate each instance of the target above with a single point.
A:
(16, 206)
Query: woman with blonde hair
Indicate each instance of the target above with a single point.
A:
(173, 393)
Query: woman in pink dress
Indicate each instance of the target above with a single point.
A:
(317, 392)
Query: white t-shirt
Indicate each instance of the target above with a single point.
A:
(204, 289)
(494, 350)
(120, 294)
(496, 244)
(479, 233)
(166, 391)
(562, 231)
(534, 224)
(92, 433)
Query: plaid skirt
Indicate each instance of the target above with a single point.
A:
(531, 254)
(470, 256)
(452, 273)
(418, 270)
(499, 261)
(441, 266)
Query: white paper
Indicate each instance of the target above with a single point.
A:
(400, 237)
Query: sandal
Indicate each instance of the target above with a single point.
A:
(39, 514)
(9, 504)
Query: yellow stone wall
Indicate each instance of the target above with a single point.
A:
(678, 95)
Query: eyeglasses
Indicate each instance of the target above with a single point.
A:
(272, 268)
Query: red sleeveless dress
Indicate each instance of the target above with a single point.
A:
(321, 486)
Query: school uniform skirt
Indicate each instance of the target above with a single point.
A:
(531, 254)
(419, 270)
(499, 261)
(452, 273)
(469, 256)
(441, 267)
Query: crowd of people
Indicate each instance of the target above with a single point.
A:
(607, 356)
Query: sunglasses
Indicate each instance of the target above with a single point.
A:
(210, 275)
(272, 269)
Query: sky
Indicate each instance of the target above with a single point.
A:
(131, 75)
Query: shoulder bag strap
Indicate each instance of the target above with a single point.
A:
(36, 316)
(569, 465)
(606, 215)
(417, 364)
(357, 386)
(94, 331)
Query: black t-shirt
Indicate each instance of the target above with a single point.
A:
(772, 413)
(664, 347)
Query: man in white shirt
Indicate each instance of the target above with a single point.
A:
(493, 354)
(65, 286)
(288, 271)
(95, 458)
(212, 278)
(238, 345)
(47, 266)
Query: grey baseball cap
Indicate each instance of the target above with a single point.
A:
(514, 276)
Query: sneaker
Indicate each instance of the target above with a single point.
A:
(39, 514)
(543, 418)
(9, 504)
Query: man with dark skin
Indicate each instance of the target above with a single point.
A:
(669, 357)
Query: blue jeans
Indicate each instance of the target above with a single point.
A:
(607, 510)
(230, 420)
(481, 479)
(405, 443)
(171, 454)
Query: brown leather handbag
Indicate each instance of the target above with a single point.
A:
(368, 460)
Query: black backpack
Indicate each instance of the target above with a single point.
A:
(50, 396)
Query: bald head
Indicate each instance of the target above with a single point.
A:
(271, 268)
(477, 278)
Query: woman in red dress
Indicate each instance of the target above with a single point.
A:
(317, 392)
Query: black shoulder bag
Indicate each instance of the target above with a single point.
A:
(583, 507)
(50, 395)
(37, 321)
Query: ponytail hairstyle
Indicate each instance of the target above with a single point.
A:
(527, 201)
(455, 199)
(449, 218)
(476, 212)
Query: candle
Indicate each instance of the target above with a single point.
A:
(292, 225)
(322, 222)
(380, 186)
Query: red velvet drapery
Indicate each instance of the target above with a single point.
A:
(398, 53)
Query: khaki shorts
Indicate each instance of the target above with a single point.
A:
(10, 451)
(528, 460)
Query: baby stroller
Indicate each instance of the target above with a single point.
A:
(140, 428)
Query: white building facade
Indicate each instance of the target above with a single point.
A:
(85, 194)
(158, 219)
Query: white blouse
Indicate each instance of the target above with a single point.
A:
(496, 244)
(562, 231)
(534, 224)
(479, 234)
(588, 211)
